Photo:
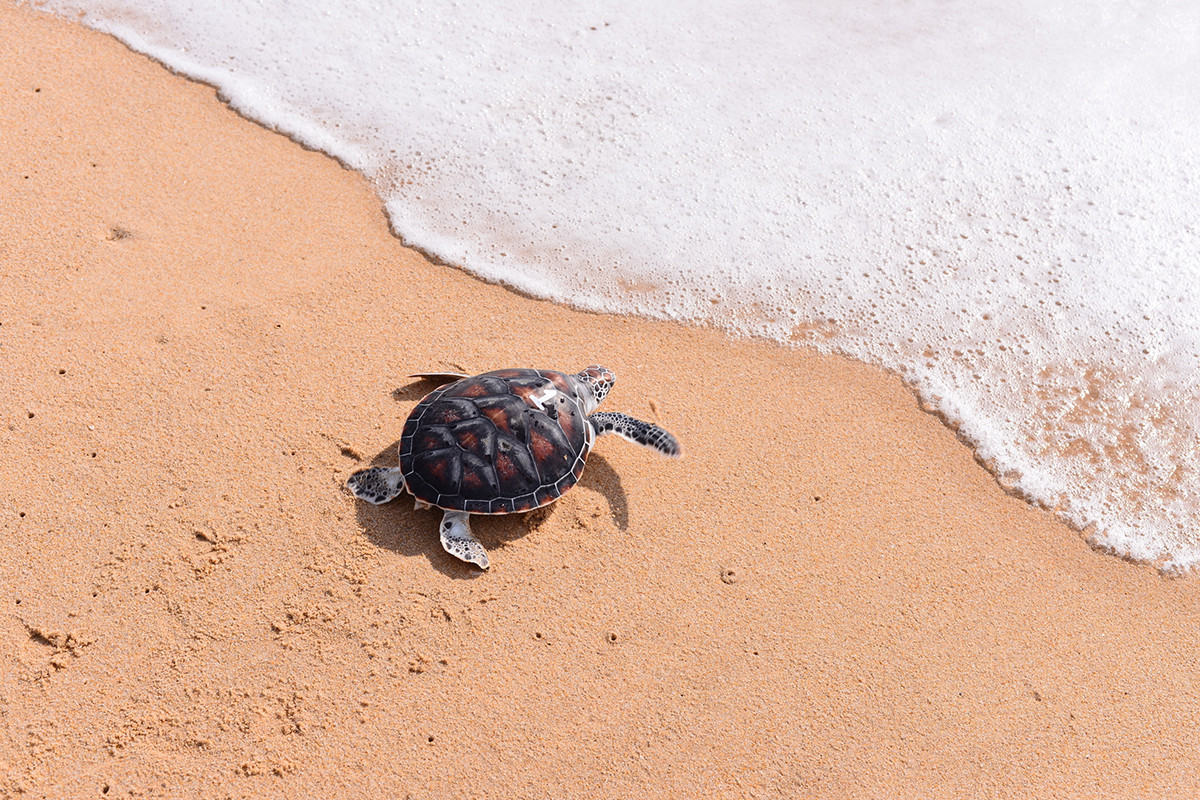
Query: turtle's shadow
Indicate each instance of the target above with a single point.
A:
(606, 480)
(398, 527)
(415, 389)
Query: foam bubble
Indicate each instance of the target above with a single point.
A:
(997, 200)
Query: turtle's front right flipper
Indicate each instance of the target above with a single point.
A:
(376, 485)
(636, 431)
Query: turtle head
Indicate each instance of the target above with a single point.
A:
(598, 380)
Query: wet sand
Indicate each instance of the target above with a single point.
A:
(205, 329)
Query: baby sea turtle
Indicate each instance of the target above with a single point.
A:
(499, 443)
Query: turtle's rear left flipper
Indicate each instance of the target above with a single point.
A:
(636, 431)
(376, 485)
(440, 377)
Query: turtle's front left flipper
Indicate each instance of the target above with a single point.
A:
(636, 431)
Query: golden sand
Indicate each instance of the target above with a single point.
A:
(205, 328)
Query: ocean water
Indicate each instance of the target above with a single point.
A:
(998, 200)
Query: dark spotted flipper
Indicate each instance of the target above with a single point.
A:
(636, 431)
(458, 541)
(376, 485)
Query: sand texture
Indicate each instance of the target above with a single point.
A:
(205, 328)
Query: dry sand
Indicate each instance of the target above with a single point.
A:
(205, 328)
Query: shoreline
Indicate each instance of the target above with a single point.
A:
(1009, 479)
(828, 596)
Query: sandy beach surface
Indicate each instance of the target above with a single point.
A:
(204, 329)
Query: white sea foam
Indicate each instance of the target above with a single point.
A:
(999, 200)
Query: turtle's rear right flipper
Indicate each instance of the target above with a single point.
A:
(636, 431)
(376, 485)
(458, 541)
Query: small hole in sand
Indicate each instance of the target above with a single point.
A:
(31, 415)
(22, 513)
(431, 740)
(612, 638)
(62, 372)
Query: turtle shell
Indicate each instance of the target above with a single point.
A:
(497, 443)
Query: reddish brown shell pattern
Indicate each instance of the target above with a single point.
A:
(484, 444)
